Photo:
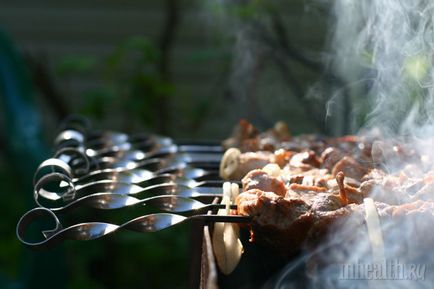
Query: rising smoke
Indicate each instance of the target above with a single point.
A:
(385, 48)
(271, 65)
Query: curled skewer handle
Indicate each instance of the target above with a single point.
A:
(49, 236)
(163, 196)
(52, 164)
(39, 189)
(64, 154)
(69, 136)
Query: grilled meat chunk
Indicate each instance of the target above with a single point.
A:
(275, 219)
(288, 224)
(350, 167)
(330, 156)
(250, 161)
(315, 183)
(258, 179)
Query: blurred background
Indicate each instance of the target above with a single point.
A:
(186, 69)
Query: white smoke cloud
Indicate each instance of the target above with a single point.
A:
(389, 45)
(384, 50)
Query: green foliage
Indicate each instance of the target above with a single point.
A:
(96, 100)
(130, 80)
(145, 48)
(75, 64)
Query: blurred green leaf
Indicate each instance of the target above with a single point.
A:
(96, 101)
(143, 45)
(75, 65)
(416, 67)
(248, 10)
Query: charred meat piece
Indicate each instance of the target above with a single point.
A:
(244, 136)
(330, 156)
(350, 167)
(250, 161)
(256, 160)
(278, 222)
(288, 224)
(312, 177)
(311, 184)
(258, 179)
(282, 157)
(305, 160)
(396, 188)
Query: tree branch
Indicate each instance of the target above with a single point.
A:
(166, 42)
(280, 58)
(284, 43)
(43, 82)
(292, 53)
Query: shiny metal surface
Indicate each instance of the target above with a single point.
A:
(122, 174)
(107, 170)
(112, 195)
(94, 230)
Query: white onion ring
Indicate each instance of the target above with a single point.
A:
(374, 230)
(229, 163)
(226, 243)
(235, 191)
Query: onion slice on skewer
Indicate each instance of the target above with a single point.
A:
(229, 163)
(374, 230)
(226, 243)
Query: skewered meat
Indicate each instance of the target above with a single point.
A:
(305, 160)
(258, 179)
(250, 161)
(316, 182)
(284, 220)
(234, 164)
(275, 219)
(244, 136)
(286, 224)
(247, 138)
(350, 167)
(330, 156)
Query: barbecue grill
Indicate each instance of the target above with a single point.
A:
(181, 182)
(107, 170)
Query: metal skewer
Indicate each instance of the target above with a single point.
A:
(110, 195)
(94, 230)
(133, 176)
(109, 170)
